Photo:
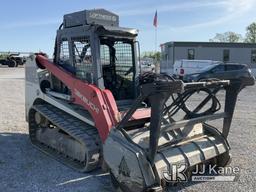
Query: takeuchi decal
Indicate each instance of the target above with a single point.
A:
(87, 101)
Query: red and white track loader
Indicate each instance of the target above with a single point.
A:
(90, 106)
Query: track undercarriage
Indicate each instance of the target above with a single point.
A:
(65, 138)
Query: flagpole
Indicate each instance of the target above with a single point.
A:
(156, 64)
(155, 23)
(156, 39)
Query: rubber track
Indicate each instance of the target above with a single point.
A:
(79, 130)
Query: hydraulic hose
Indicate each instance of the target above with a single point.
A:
(179, 103)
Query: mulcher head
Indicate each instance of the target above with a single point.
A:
(146, 158)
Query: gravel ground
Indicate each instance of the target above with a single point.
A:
(23, 168)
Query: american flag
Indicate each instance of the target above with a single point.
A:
(155, 20)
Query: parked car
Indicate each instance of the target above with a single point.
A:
(185, 67)
(220, 71)
(13, 60)
(147, 65)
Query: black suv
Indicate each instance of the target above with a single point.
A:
(220, 71)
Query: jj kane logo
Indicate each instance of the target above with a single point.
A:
(176, 173)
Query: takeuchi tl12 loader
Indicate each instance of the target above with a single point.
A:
(90, 107)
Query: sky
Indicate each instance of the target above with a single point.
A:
(31, 25)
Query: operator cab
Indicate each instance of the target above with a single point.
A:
(93, 47)
(118, 67)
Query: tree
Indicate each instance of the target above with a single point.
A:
(3, 56)
(251, 33)
(230, 37)
(151, 54)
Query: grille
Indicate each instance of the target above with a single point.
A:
(64, 52)
(124, 59)
(118, 69)
(104, 55)
(83, 59)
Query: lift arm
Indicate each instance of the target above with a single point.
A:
(100, 103)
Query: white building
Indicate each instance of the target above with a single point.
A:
(227, 52)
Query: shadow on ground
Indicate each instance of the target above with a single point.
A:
(24, 167)
(32, 170)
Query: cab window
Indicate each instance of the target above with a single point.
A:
(64, 52)
(83, 58)
(118, 67)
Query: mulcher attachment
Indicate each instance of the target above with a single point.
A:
(144, 157)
